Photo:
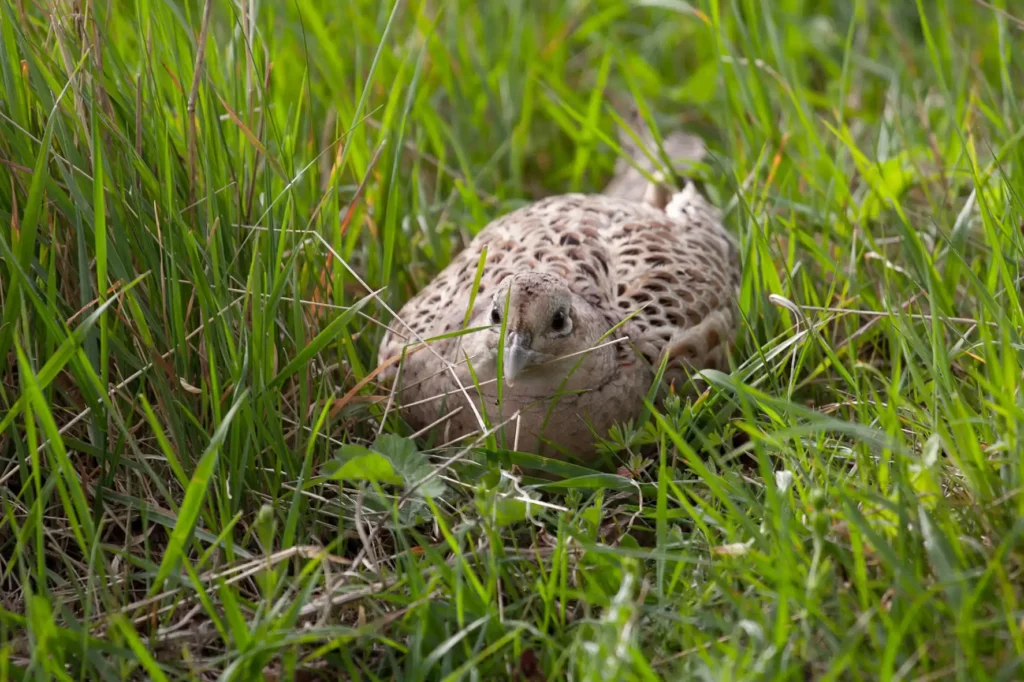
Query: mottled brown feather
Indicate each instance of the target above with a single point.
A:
(675, 267)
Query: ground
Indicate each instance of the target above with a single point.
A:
(208, 208)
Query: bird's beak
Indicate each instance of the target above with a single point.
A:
(517, 355)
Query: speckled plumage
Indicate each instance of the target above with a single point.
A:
(594, 259)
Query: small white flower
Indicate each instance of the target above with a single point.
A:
(784, 480)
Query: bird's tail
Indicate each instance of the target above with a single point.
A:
(630, 182)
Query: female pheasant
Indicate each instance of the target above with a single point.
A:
(580, 298)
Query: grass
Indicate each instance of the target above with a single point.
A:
(206, 206)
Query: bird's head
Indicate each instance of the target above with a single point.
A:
(544, 321)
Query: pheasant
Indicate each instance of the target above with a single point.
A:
(580, 299)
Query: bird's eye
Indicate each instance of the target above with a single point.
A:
(495, 316)
(558, 321)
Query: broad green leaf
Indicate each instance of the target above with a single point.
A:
(359, 464)
(411, 464)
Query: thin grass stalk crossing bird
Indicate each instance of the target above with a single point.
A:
(581, 298)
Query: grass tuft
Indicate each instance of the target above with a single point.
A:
(209, 210)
